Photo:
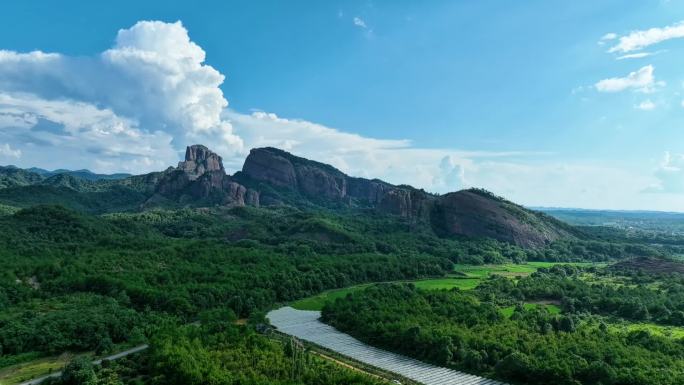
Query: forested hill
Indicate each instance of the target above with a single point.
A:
(270, 178)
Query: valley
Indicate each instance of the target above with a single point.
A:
(368, 192)
(479, 332)
(463, 277)
(174, 259)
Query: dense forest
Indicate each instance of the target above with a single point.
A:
(460, 330)
(628, 294)
(215, 352)
(178, 263)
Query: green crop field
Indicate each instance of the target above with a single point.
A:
(447, 283)
(666, 331)
(316, 302)
(19, 373)
(512, 269)
(470, 276)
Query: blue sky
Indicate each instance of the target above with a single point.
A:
(442, 94)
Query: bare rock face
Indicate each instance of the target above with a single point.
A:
(269, 165)
(372, 191)
(282, 169)
(252, 198)
(406, 202)
(323, 182)
(478, 214)
(315, 182)
(201, 179)
(198, 160)
(276, 177)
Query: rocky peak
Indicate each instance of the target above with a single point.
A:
(199, 160)
(201, 179)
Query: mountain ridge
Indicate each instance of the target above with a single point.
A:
(272, 177)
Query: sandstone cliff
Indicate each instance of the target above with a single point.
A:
(201, 178)
(474, 213)
(320, 181)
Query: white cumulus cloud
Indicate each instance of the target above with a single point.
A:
(7, 151)
(152, 88)
(452, 176)
(135, 106)
(642, 80)
(637, 40)
(359, 22)
(646, 105)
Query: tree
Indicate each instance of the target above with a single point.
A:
(79, 372)
(567, 324)
(105, 346)
(107, 376)
(514, 366)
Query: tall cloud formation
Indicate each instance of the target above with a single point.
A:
(135, 104)
(670, 175)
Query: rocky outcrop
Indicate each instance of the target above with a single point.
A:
(274, 177)
(319, 181)
(477, 213)
(406, 202)
(316, 182)
(474, 213)
(372, 191)
(270, 166)
(201, 179)
(198, 160)
(252, 198)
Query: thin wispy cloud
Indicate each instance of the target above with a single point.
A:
(359, 22)
(637, 55)
(607, 37)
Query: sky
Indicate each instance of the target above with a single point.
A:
(545, 102)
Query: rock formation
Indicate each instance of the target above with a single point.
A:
(275, 177)
(320, 181)
(198, 160)
(477, 213)
(469, 212)
(201, 178)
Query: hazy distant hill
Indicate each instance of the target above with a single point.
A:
(643, 220)
(83, 174)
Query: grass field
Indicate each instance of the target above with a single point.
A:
(508, 311)
(316, 302)
(666, 331)
(469, 277)
(512, 269)
(16, 374)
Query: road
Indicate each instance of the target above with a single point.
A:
(95, 362)
(305, 325)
